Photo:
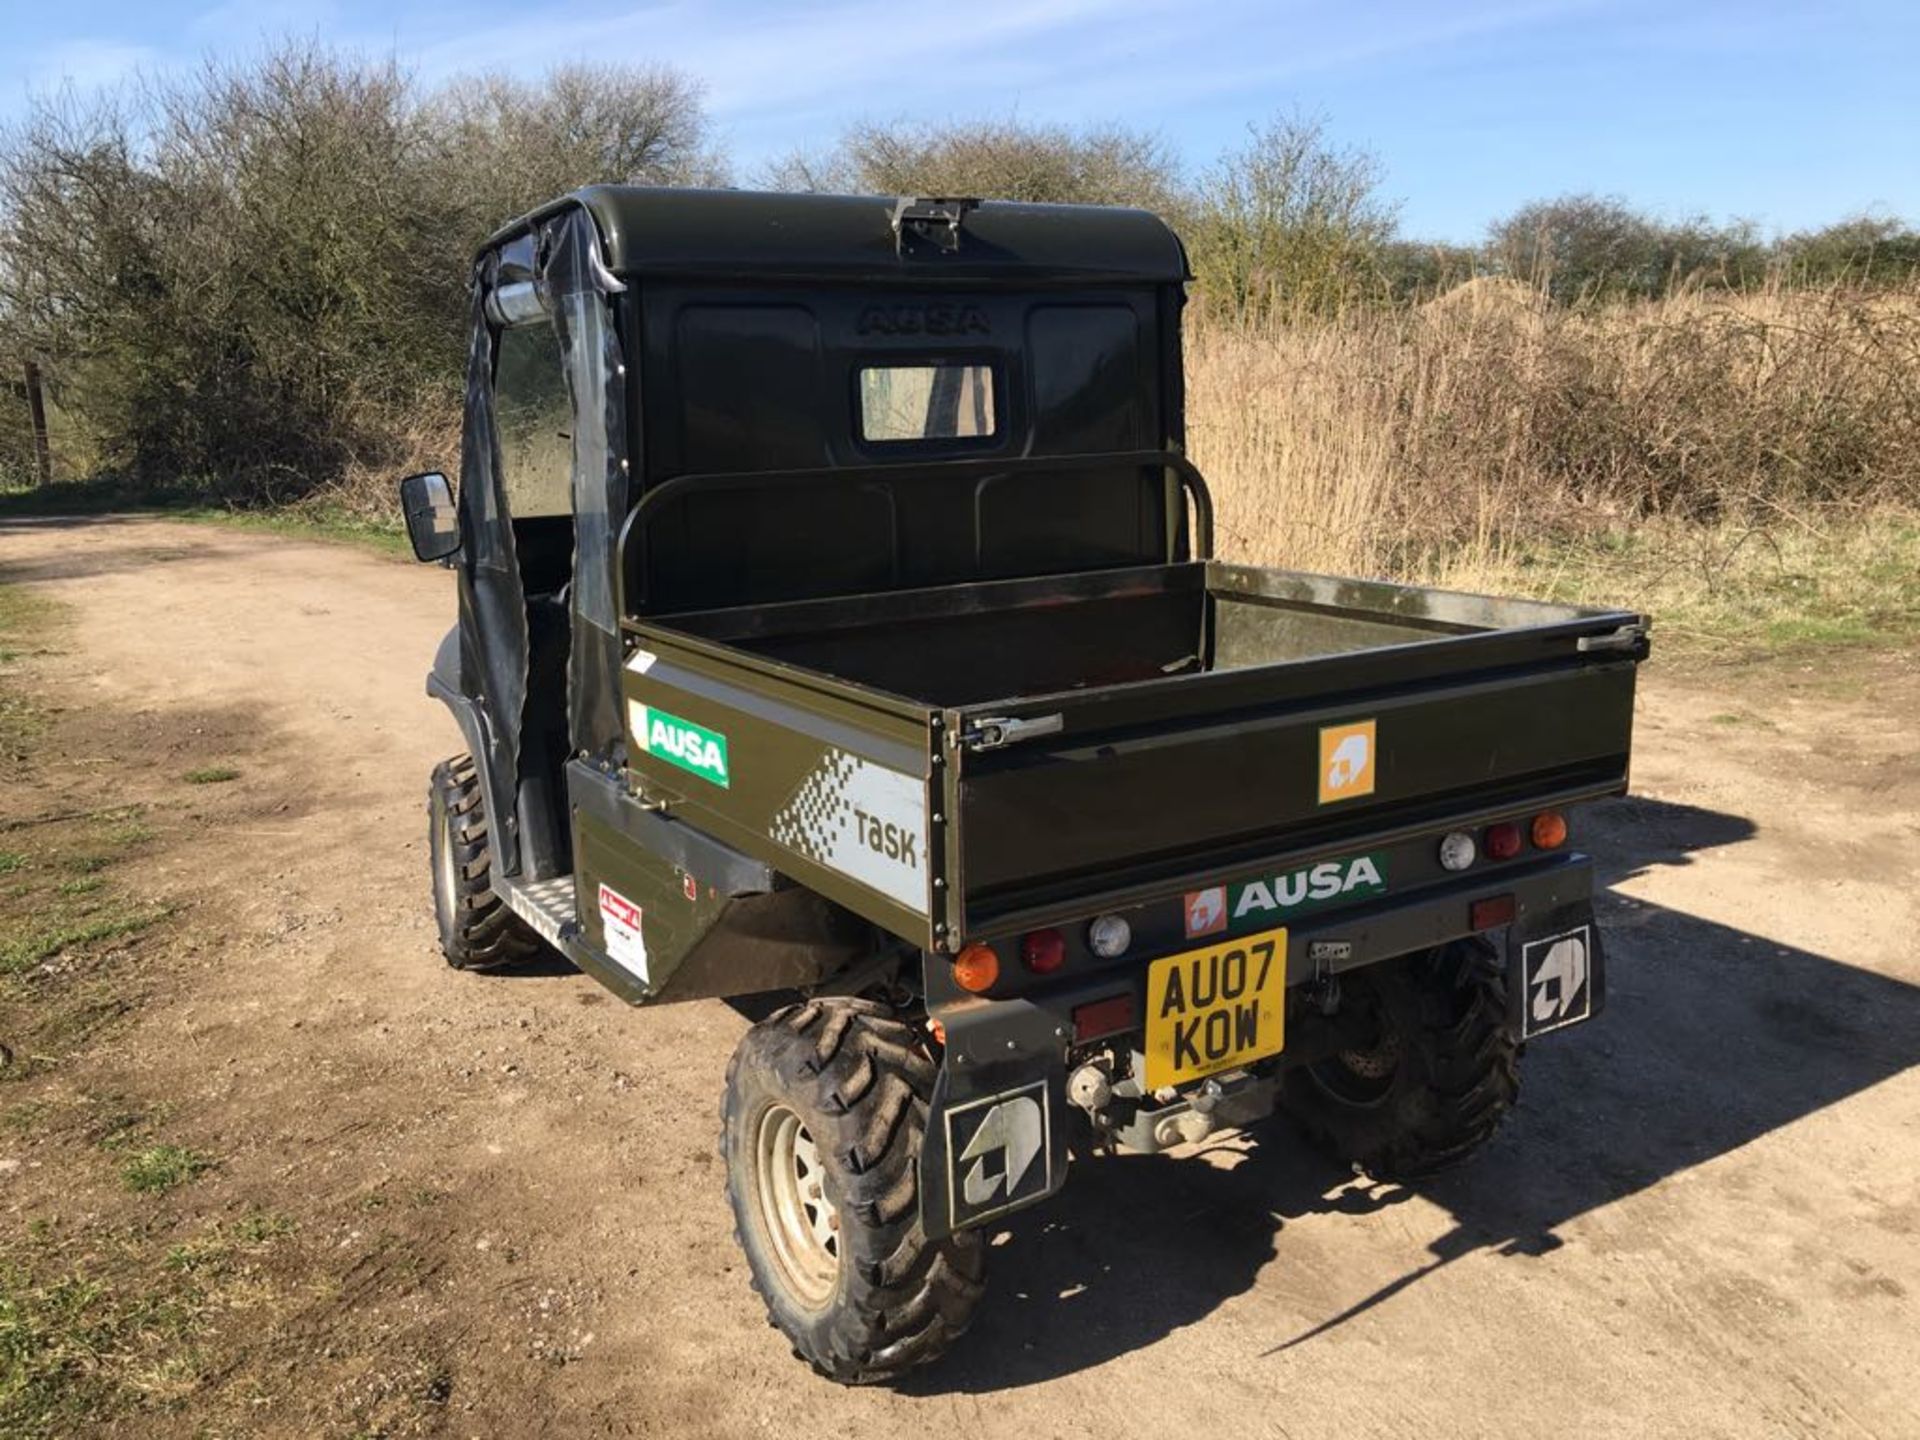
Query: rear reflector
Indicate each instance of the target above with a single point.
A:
(1103, 1017)
(1494, 911)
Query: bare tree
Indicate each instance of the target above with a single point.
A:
(993, 159)
(1291, 223)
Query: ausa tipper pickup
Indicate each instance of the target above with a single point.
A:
(838, 617)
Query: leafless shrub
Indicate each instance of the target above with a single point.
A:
(999, 159)
(1290, 225)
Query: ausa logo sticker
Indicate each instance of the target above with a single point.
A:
(1346, 761)
(694, 748)
(1309, 887)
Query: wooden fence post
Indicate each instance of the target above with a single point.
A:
(37, 407)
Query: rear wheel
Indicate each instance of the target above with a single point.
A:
(1435, 1077)
(825, 1112)
(477, 932)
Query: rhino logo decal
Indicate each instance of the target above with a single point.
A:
(1346, 761)
(997, 1153)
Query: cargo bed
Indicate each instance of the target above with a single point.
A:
(1081, 741)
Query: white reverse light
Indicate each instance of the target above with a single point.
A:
(1109, 936)
(1457, 850)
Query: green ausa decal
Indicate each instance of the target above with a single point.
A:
(1305, 888)
(692, 747)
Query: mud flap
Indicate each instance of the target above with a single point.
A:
(1556, 971)
(996, 1133)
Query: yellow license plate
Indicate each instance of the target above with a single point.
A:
(1214, 1009)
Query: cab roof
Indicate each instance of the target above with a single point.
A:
(649, 231)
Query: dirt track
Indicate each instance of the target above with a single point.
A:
(1703, 1220)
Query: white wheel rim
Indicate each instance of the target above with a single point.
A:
(444, 879)
(799, 1219)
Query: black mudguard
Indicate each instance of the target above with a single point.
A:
(1556, 970)
(443, 683)
(996, 1132)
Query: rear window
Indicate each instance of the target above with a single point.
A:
(926, 402)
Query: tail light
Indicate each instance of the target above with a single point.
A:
(1549, 830)
(1457, 850)
(1043, 951)
(976, 968)
(1503, 840)
(1109, 936)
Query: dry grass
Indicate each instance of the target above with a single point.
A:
(1390, 442)
(1750, 464)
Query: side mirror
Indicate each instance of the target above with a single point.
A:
(432, 525)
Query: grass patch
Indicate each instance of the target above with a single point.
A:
(159, 1168)
(75, 1350)
(11, 860)
(317, 519)
(23, 612)
(1734, 590)
(212, 775)
(46, 938)
(26, 1116)
(313, 521)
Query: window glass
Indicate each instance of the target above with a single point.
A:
(535, 420)
(926, 402)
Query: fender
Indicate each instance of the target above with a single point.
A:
(443, 684)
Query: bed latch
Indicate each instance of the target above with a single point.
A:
(1627, 637)
(992, 732)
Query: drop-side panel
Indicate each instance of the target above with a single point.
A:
(826, 782)
(1119, 798)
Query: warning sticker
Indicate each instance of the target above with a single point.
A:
(620, 921)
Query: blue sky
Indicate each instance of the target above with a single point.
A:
(1790, 114)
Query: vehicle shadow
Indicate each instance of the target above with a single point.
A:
(1712, 1038)
(81, 560)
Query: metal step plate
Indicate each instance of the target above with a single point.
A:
(546, 905)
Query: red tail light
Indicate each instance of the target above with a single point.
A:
(1503, 841)
(1043, 951)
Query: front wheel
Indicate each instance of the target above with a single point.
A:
(1438, 1072)
(825, 1111)
(477, 931)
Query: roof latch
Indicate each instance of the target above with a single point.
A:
(929, 220)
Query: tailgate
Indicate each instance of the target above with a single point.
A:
(1096, 798)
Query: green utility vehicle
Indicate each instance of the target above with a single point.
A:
(838, 619)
